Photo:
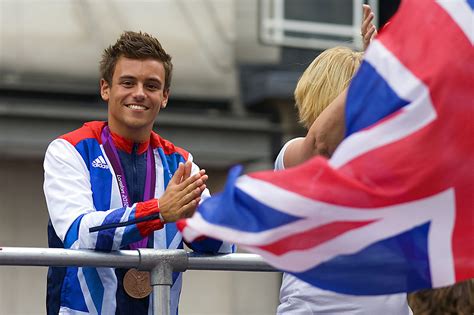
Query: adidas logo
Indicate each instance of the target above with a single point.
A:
(100, 162)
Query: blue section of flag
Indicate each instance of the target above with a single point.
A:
(242, 211)
(366, 272)
(471, 4)
(95, 287)
(369, 100)
(207, 245)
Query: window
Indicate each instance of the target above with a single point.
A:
(315, 24)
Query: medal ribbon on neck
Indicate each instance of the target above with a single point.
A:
(149, 191)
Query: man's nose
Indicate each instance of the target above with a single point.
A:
(139, 93)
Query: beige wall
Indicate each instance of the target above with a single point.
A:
(23, 221)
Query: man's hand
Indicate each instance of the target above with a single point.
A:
(183, 194)
(367, 29)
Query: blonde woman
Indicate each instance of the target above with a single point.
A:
(325, 83)
(321, 83)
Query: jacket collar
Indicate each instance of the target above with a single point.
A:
(126, 145)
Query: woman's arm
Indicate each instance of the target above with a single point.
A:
(322, 138)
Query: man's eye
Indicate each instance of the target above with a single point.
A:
(152, 87)
(127, 83)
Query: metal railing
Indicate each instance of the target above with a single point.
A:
(161, 263)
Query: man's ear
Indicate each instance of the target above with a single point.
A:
(166, 94)
(104, 89)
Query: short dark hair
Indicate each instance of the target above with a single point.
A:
(135, 45)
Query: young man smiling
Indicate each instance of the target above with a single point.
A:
(109, 173)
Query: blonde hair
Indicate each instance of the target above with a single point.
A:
(325, 78)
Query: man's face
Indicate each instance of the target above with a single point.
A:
(135, 97)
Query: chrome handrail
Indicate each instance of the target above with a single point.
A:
(160, 262)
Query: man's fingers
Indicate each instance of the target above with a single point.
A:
(201, 175)
(181, 199)
(204, 178)
(189, 209)
(187, 170)
(191, 191)
(193, 194)
(178, 175)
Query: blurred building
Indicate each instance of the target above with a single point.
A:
(236, 65)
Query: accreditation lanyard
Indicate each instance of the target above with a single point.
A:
(150, 177)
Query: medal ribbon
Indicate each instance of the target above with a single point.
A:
(150, 178)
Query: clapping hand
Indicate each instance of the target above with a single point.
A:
(183, 193)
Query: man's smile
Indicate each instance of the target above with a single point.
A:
(136, 106)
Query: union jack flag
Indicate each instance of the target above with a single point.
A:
(393, 209)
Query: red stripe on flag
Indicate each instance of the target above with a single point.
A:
(438, 44)
(313, 237)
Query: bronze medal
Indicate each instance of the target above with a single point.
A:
(137, 283)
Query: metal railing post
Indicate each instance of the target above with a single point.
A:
(162, 264)
(161, 280)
